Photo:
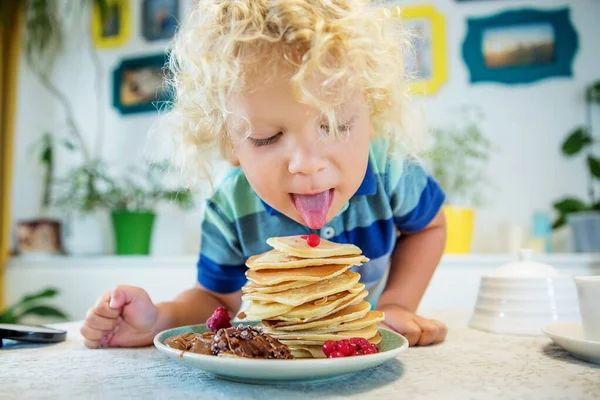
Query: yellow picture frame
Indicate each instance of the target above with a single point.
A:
(114, 31)
(438, 73)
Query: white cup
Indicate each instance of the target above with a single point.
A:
(588, 290)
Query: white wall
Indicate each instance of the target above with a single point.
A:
(527, 123)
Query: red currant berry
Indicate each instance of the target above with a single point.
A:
(371, 349)
(336, 354)
(359, 342)
(329, 347)
(313, 240)
(304, 237)
(345, 348)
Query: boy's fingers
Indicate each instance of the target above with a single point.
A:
(93, 334)
(429, 331)
(99, 322)
(442, 331)
(102, 309)
(410, 330)
(91, 344)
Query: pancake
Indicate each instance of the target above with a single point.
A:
(280, 287)
(372, 317)
(302, 343)
(297, 246)
(302, 295)
(270, 277)
(366, 333)
(349, 313)
(275, 259)
(311, 311)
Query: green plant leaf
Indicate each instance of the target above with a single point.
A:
(46, 293)
(570, 205)
(594, 165)
(42, 311)
(592, 94)
(576, 141)
(560, 221)
(7, 317)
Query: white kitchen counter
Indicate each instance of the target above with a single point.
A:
(469, 365)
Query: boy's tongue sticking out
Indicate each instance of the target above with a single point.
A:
(313, 208)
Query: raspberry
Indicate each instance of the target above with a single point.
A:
(345, 347)
(329, 347)
(219, 319)
(313, 240)
(359, 342)
(336, 354)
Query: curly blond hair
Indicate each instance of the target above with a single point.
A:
(349, 44)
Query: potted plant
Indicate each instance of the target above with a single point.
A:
(132, 201)
(458, 158)
(43, 39)
(43, 233)
(583, 217)
(32, 305)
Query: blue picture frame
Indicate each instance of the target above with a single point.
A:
(484, 68)
(159, 19)
(139, 85)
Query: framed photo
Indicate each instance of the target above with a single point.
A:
(139, 84)
(427, 62)
(159, 19)
(520, 46)
(113, 28)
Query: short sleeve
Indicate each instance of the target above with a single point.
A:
(221, 266)
(416, 197)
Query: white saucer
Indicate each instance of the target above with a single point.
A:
(569, 336)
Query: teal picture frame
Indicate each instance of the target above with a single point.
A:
(537, 24)
(139, 84)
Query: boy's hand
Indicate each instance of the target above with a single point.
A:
(124, 317)
(418, 330)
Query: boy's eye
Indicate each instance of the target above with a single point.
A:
(265, 142)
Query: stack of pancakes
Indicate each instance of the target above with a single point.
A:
(306, 295)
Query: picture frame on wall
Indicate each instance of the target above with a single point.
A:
(427, 62)
(159, 19)
(111, 28)
(520, 46)
(139, 84)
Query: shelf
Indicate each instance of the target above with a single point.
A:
(558, 260)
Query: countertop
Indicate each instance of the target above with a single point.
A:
(469, 365)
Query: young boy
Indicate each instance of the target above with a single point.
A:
(304, 97)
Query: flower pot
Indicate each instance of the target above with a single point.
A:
(459, 225)
(87, 234)
(133, 231)
(585, 227)
(39, 236)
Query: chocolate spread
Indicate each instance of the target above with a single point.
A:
(250, 342)
(195, 342)
(242, 340)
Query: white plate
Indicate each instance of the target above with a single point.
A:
(281, 371)
(569, 336)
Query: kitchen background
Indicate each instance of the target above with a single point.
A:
(502, 85)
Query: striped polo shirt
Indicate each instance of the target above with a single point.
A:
(396, 195)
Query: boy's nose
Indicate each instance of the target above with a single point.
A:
(307, 160)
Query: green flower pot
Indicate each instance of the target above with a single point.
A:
(133, 231)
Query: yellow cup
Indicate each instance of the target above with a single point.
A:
(459, 223)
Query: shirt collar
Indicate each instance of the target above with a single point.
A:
(368, 187)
